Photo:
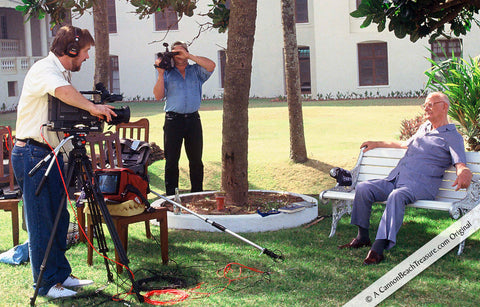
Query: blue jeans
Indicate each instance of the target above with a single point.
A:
(40, 214)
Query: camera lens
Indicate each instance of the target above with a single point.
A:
(123, 116)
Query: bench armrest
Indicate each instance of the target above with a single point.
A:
(470, 201)
(355, 172)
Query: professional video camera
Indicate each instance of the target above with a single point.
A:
(343, 176)
(167, 62)
(67, 118)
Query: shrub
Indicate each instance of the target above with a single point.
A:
(408, 127)
(459, 79)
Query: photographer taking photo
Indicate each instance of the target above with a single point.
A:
(182, 88)
(50, 76)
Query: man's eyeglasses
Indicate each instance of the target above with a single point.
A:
(430, 104)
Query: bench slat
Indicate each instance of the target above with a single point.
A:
(386, 152)
(379, 161)
(473, 157)
(424, 204)
(375, 170)
(451, 194)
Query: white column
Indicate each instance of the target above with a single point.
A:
(43, 36)
(28, 37)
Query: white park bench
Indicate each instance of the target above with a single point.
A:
(377, 163)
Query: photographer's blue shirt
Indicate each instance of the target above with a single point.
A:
(184, 95)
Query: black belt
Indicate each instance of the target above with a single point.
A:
(35, 143)
(181, 115)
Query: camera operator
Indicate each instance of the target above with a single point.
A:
(50, 76)
(182, 88)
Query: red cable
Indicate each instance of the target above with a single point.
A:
(185, 294)
(76, 217)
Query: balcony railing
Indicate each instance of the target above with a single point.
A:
(10, 48)
(14, 65)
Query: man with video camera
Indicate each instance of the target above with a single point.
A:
(50, 76)
(181, 84)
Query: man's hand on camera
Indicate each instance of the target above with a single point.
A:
(157, 67)
(103, 111)
(182, 53)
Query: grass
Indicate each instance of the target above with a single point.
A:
(314, 273)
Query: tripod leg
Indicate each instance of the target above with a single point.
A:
(100, 202)
(52, 237)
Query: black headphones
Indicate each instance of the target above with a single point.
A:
(73, 48)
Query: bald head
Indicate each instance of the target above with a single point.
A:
(438, 96)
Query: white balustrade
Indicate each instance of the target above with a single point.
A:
(9, 48)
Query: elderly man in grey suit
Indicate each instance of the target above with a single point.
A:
(435, 147)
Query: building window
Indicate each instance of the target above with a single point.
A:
(114, 85)
(166, 20)
(3, 27)
(222, 55)
(442, 49)
(112, 16)
(12, 88)
(301, 11)
(373, 64)
(304, 61)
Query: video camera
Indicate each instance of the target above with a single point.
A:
(67, 118)
(343, 176)
(166, 57)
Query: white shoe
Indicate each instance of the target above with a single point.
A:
(58, 291)
(73, 281)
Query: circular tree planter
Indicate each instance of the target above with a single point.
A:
(243, 222)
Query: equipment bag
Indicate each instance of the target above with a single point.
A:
(135, 155)
(122, 184)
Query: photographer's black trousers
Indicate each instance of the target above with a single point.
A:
(179, 127)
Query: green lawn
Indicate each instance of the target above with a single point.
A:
(315, 272)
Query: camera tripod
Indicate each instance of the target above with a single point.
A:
(80, 168)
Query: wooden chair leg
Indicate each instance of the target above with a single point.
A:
(147, 230)
(122, 230)
(81, 223)
(163, 237)
(90, 238)
(15, 233)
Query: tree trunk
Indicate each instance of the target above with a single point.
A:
(241, 31)
(102, 46)
(298, 151)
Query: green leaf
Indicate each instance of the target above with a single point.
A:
(367, 22)
(358, 13)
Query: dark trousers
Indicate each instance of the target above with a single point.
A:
(179, 127)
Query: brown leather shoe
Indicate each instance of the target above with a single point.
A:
(373, 258)
(355, 244)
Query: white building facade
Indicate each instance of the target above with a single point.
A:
(337, 57)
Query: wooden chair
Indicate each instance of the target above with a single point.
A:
(102, 147)
(6, 143)
(121, 225)
(105, 150)
(105, 153)
(138, 130)
(8, 204)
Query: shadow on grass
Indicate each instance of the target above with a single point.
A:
(319, 165)
(313, 264)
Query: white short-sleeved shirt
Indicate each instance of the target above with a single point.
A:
(42, 79)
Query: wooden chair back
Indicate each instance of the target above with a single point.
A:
(138, 130)
(6, 145)
(105, 150)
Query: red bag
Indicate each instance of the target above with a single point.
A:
(122, 184)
